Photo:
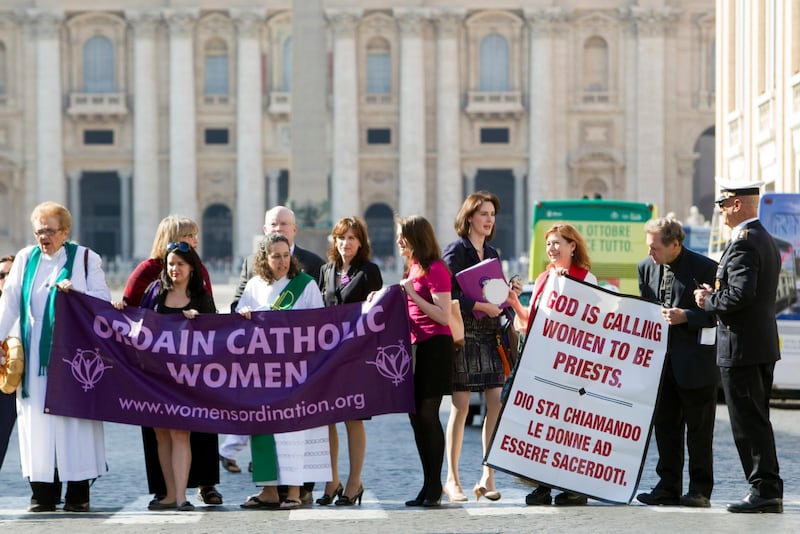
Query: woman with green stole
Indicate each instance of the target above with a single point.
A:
(281, 459)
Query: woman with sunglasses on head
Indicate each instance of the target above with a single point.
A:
(180, 290)
(204, 473)
(289, 458)
(427, 286)
(349, 276)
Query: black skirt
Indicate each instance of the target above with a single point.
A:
(204, 470)
(433, 367)
(478, 365)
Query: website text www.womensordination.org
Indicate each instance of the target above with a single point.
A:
(262, 415)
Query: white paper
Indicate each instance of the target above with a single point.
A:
(708, 336)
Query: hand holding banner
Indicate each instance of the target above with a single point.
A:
(580, 407)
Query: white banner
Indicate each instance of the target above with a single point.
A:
(579, 410)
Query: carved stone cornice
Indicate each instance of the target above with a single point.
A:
(547, 20)
(411, 21)
(378, 24)
(449, 21)
(45, 22)
(651, 22)
(248, 21)
(181, 21)
(343, 20)
(143, 22)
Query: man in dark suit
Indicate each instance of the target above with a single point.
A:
(687, 396)
(281, 220)
(743, 298)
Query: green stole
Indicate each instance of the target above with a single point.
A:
(46, 341)
(262, 446)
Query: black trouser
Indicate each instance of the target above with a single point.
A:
(50, 492)
(689, 412)
(8, 416)
(747, 391)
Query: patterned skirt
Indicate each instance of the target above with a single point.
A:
(477, 366)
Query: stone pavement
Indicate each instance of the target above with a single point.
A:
(391, 476)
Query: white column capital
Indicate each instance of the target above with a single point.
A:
(74, 175)
(343, 20)
(448, 21)
(273, 173)
(45, 22)
(248, 21)
(143, 22)
(411, 20)
(181, 20)
(650, 22)
(547, 20)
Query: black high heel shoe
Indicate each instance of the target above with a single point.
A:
(344, 500)
(418, 500)
(326, 499)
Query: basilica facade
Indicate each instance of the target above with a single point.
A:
(374, 108)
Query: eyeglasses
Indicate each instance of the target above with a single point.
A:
(182, 246)
(3, 275)
(42, 232)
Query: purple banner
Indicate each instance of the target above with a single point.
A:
(278, 372)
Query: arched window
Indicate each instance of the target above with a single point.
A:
(3, 69)
(379, 66)
(494, 63)
(216, 67)
(98, 65)
(286, 66)
(595, 65)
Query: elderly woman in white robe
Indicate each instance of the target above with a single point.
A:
(52, 448)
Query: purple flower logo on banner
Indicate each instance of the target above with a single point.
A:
(393, 361)
(87, 367)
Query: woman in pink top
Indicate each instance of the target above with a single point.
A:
(427, 285)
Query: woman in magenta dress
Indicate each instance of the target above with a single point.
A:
(427, 286)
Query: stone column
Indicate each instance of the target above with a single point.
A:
(470, 176)
(412, 181)
(273, 188)
(631, 83)
(310, 161)
(146, 198)
(521, 216)
(651, 26)
(50, 182)
(543, 23)
(182, 120)
(448, 118)
(249, 145)
(74, 205)
(345, 174)
(125, 178)
(28, 115)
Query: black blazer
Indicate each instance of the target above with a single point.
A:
(693, 365)
(364, 278)
(744, 299)
(310, 263)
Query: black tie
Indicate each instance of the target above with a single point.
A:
(667, 278)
